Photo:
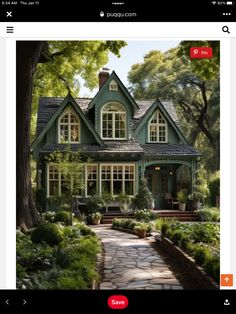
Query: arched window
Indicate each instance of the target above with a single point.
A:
(113, 121)
(69, 127)
(157, 129)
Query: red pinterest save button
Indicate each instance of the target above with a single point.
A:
(117, 302)
(201, 52)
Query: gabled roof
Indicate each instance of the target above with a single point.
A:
(49, 105)
(111, 147)
(115, 77)
(169, 113)
(56, 113)
(156, 149)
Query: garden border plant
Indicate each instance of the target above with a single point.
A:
(189, 243)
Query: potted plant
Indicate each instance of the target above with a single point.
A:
(141, 229)
(197, 198)
(182, 198)
(96, 218)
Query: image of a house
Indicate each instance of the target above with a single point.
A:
(126, 139)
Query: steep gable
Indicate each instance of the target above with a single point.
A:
(106, 88)
(167, 110)
(49, 118)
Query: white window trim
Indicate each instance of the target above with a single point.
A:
(158, 124)
(59, 182)
(86, 179)
(123, 175)
(69, 127)
(113, 121)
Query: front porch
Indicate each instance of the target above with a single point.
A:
(165, 178)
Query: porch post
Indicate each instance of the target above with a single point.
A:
(193, 174)
(142, 169)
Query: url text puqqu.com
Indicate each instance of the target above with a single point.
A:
(118, 14)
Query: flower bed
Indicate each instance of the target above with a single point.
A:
(200, 241)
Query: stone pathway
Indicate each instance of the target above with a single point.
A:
(132, 263)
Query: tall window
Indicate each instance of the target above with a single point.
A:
(91, 180)
(53, 181)
(113, 121)
(69, 127)
(118, 179)
(157, 128)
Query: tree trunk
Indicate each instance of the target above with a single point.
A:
(28, 54)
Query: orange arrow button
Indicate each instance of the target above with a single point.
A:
(226, 280)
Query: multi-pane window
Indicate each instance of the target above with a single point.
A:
(157, 128)
(69, 127)
(58, 185)
(53, 181)
(91, 180)
(118, 179)
(129, 180)
(113, 121)
(106, 179)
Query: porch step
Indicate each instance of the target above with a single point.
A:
(108, 217)
(184, 216)
(178, 215)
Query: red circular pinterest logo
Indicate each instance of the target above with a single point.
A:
(118, 302)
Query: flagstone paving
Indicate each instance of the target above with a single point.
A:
(132, 263)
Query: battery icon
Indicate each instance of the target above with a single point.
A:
(229, 2)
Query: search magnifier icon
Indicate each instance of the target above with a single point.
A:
(225, 29)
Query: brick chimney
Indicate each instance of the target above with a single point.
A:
(102, 77)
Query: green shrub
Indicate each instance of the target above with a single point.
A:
(48, 216)
(95, 203)
(214, 187)
(132, 224)
(184, 241)
(164, 228)
(190, 248)
(62, 216)
(212, 267)
(201, 254)
(208, 214)
(206, 233)
(70, 281)
(49, 233)
(143, 199)
(142, 214)
(176, 236)
(84, 229)
(20, 271)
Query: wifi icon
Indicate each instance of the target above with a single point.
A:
(213, 2)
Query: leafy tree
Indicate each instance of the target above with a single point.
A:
(69, 164)
(173, 76)
(52, 62)
(64, 62)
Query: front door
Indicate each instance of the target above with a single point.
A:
(158, 184)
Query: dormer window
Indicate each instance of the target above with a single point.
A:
(157, 129)
(113, 86)
(69, 127)
(113, 121)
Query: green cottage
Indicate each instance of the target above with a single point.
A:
(126, 139)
